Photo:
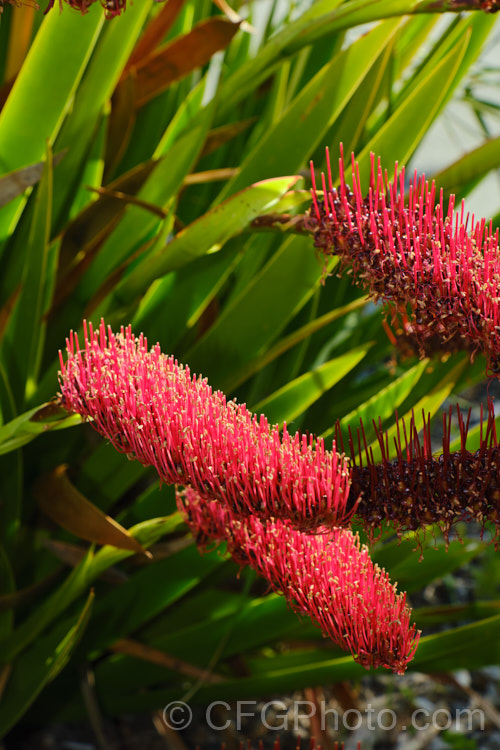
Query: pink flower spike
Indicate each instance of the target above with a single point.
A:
(152, 409)
(439, 269)
(327, 576)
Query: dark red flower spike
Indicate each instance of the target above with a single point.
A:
(411, 487)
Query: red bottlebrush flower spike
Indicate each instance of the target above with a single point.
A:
(327, 576)
(417, 488)
(153, 410)
(437, 266)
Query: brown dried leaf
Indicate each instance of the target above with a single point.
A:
(155, 33)
(210, 175)
(15, 183)
(65, 505)
(219, 136)
(6, 310)
(182, 56)
(155, 656)
(19, 39)
(120, 196)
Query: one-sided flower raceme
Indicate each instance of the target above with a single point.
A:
(327, 576)
(153, 410)
(415, 487)
(439, 269)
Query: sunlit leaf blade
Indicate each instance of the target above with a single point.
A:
(23, 140)
(416, 109)
(27, 426)
(208, 234)
(103, 72)
(137, 225)
(294, 398)
(322, 19)
(384, 403)
(27, 324)
(299, 131)
(286, 343)
(258, 315)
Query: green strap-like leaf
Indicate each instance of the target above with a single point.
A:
(294, 398)
(258, 315)
(207, 234)
(297, 133)
(384, 403)
(26, 324)
(464, 173)
(140, 598)
(36, 421)
(39, 665)
(395, 140)
(57, 58)
(430, 403)
(288, 342)
(104, 70)
(79, 580)
(137, 225)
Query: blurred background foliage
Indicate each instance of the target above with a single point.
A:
(152, 169)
